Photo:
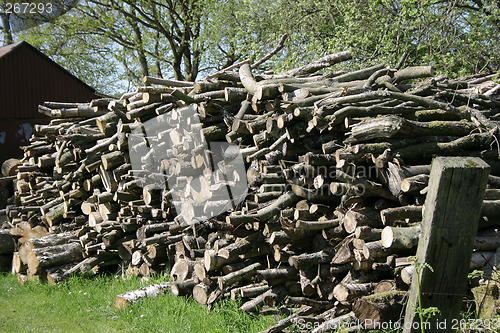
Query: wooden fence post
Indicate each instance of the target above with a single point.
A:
(449, 225)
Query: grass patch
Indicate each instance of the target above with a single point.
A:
(83, 304)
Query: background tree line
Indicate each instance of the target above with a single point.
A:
(111, 44)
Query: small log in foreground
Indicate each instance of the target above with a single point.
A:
(122, 301)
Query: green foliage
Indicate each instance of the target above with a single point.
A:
(425, 314)
(111, 43)
(122, 41)
(455, 37)
(475, 274)
(84, 304)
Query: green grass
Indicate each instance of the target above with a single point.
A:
(84, 304)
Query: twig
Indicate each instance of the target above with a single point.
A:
(166, 82)
(278, 47)
(233, 66)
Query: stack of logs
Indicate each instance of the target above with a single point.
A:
(338, 165)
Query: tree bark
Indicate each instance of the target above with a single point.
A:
(326, 61)
(122, 301)
(54, 256)
(307, 259)
(270, 297)
(361, 217)
(394, 127)
(346, 292)
(242, 274)
(375, 310)
(404, 214)
(247, 79)
(400, 238)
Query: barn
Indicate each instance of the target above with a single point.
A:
(27, 79)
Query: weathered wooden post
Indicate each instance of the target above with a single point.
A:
(449, 225)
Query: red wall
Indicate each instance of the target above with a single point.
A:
(27, 79)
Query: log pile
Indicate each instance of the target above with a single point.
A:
(337, 168)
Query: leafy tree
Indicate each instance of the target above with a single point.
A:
(125, 40)
(17, 16)
(5, 27)
(457, 36)
(137, 38)
(113, 43)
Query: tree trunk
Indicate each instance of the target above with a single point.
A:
(346, 292)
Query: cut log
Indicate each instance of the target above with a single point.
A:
(343, 251)
(334, 323)
(182, 270)
(288, 321)
(17, 265)
(326, 61)
(201, 293)
(485, 243)
(400, 238)
(374, 250)
(480, 258)
(241, 246)
(122, 301)
(317, 225)
(9, 167)
(393, 127)
(54, 256)
(406, 214)
(252, 291)
(407, 274)
(54, 215)
(242, 274)
(276, 274)
(270, 297)
(361, 217)
(307, 259)
(415, 183)
(50, 240)
(379, 309)
(415, 72)
(346, 292)
(367, 233)
(182, 288)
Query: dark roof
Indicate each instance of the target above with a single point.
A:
(29, 78)
(8, 48)
(5, 50)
